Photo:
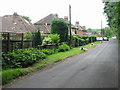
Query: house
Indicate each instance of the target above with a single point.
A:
(12, 33)
(79, 30)
(16, 24)
(44, 24)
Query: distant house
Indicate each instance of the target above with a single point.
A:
(79, 30)
(44, 24)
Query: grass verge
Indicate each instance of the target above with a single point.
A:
(11, 74)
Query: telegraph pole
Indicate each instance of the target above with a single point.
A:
(101, 30)
(70, 21)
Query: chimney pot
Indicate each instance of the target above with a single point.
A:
(66, 18)
(77, 22)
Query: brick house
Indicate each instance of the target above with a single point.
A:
(78, 30)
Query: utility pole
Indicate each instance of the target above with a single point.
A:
(70, 21)
(101, 30)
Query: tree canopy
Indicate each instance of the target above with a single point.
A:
(60, 27)
(112, 11)
(27, 18)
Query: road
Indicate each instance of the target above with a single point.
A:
(96, 68)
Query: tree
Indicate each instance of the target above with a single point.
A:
(108, 32)
(27, 18)
(84, 27)
(37, 38)
(60, 27)
(112, 11)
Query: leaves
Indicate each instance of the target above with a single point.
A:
(112, 11)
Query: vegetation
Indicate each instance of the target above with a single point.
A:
(49, 51)
(64, 47)
(55, 39)
(112, 11)
(60, 27)
(10, 74)
(37, 38)
(108, 32)
(21, 58)
(46, 41)
(82, 40)
(27, 18)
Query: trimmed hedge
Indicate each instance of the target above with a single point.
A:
(82, 40)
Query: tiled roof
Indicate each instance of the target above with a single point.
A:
(15, 23)
(48, 19)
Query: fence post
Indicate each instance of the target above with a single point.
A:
(22, 41)
(8, 46)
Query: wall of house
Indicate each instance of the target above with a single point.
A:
(80, 32)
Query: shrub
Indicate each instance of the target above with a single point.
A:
(46, 41)
(48, 51)
(60, 27)
(22, 58)
(37, 38)
(92, 39)
(55, 38)
(64, 47)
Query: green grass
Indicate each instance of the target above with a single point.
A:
(11, 74)
(63, 55)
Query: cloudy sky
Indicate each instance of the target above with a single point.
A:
(89, 13)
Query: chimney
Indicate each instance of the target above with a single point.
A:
(66, 18)
(15, 13)
(77, 23)
(56, 15)
(14, 17)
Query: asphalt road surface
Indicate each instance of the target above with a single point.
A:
(96, 68)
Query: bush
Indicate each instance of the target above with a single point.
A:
(55, 39)
(92, 39)
(22, 58)
(37, 38)
(48, 51)
(64, 47)
(47, 41)
(60, 27)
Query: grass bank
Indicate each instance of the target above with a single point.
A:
(11, 74)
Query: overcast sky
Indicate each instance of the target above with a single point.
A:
(89, 13)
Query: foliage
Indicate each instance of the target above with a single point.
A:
(55, 38)
(27, 18)
(37, 38)
(22, 58)
(48, 51)
(112, 11)
(64, 47)
(10, 74)
(46, 41)
(108, 32)
(60, 27)
(28, 36)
